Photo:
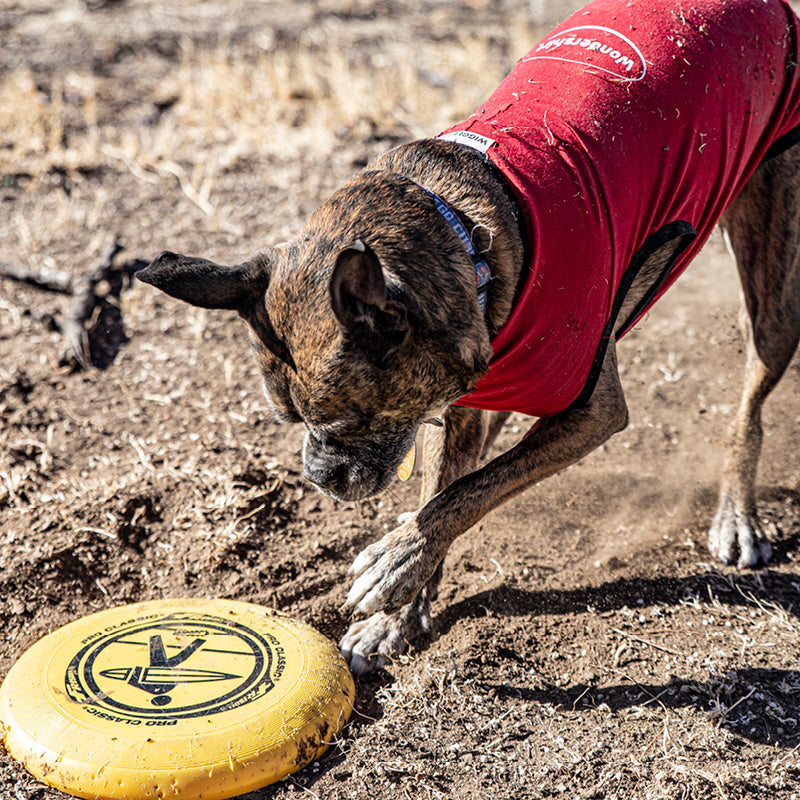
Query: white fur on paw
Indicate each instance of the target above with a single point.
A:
(370, 644)
(388, 573)
(733, 528)
(378, 588)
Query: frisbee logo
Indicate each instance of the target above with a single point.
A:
(149, 671)
(603, 49)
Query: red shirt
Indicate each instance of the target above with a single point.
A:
(631, 124)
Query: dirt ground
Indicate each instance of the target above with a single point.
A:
(585, 644)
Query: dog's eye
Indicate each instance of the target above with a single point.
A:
(280, 402)
(286, 415)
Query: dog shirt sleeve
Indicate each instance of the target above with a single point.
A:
(631, 123)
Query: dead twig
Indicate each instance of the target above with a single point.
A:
(92, 327)
(647, 642)
(75, 351)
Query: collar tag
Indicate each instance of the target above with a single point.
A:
(407, 467)
(474, 140)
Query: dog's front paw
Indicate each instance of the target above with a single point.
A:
(389, 573)
(371, 643)
(732, 527)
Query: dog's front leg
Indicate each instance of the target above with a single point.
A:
(450, 451)
(391, 572)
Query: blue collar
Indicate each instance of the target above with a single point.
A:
(483, 275)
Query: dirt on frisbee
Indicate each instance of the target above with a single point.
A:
(585, 643)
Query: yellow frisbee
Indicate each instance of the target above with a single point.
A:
(174, 698)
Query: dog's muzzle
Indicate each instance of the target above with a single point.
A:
(344, 473)
(337, 472)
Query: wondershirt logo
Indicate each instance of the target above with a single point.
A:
(601, 48)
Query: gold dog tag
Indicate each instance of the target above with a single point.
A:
(407, 467)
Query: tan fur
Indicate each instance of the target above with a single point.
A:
(763, 229)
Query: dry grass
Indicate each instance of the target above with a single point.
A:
(283, 104)
(528, 739)
(225, 113)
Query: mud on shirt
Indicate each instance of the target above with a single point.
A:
(630, 127)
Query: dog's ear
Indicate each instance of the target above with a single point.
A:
(209, 285)
(357, 287)
(371, 317)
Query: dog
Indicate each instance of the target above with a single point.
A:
(493, 268)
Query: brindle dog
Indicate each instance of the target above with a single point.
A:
(367, 325)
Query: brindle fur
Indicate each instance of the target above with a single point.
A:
(368, 324)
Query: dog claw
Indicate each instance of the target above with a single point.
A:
(754, 553)
(371, 643)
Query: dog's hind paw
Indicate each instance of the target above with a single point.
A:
(372, 643)
(731, 528)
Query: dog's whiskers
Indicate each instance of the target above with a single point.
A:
(394, 496)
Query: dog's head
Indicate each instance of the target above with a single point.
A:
(364, 326)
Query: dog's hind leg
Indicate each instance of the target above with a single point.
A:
(449, 452)
(495, 422)
(762, 228)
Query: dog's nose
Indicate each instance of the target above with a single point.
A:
(326, 471)
(334, 487)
